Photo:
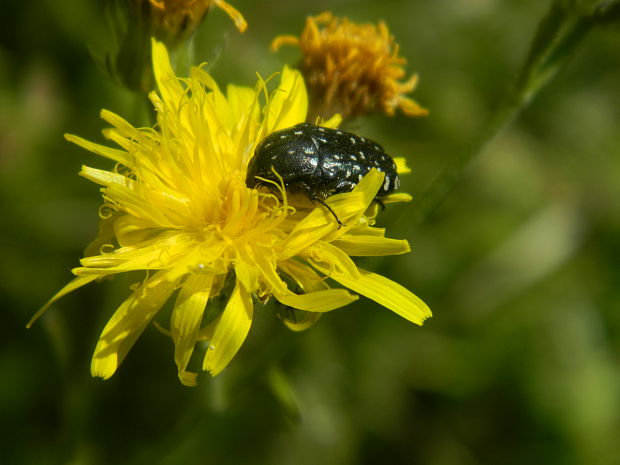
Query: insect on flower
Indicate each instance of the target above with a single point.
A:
(319, 162)
(183, 214)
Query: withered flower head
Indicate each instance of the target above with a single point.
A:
(352, 69)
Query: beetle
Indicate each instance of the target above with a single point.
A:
(319, 162)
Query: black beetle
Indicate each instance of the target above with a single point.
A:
(319, 162)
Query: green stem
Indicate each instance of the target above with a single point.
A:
(560, 33)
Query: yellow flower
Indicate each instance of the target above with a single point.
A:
(177, 206)
(352, 69)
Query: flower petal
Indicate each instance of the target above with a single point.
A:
(128, 323)
(309, 281)
(303, 275)
(186, 317)
(332, 257)
(371, 246)
(289, 102)
(233, 13)
(117, 155)
(167, 82)
(231, 331)
(161, 252)
(381, 290)
(401, 165)
(396, 197)
(319, 301)
(74, 284)
(369, 186)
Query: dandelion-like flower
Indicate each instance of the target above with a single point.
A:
(352, 69)
(177, 206)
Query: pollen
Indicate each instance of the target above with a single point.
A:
(352, 69)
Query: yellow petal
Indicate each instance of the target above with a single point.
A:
(319, 301)
(74, 284)
(105, 234)
(186, 317)
(283, 40)
(268, 271)
(167, 82)
(383, 291)
(128, 323)
(332, 257)
(233, 13)
(396, 197)
(303, 275)
(308, 280)
(332, 122)
(105, 178)
(120, 156)
(369, 186)
(371, 246)
(130, 231)
(289, 102)
(247, 273)
(122, 127)
(231, 331)
(401, 165)
(146, 256)
(312, 228)
(320, 222)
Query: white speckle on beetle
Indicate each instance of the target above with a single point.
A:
(397, 183)
(337, 157)
(283, 136)
(298, 133)
(377, 148)
(359, 177)
(309, 150)
(353, 140)
(353, 157)
(273, 157)
(316, 144)
(386, 184)
(339, 133)
(321, 129)
(348, 173)
(290, 152)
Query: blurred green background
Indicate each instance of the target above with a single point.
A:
(521, 361)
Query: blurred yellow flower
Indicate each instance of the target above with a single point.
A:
(181, 17)
(135, 22)
(176, 205)
(352, 69)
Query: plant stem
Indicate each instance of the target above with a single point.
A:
(559, 34)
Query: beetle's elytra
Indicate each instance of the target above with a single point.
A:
(319, 162)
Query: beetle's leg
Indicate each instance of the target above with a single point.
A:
(340, 223)
(312, 196)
